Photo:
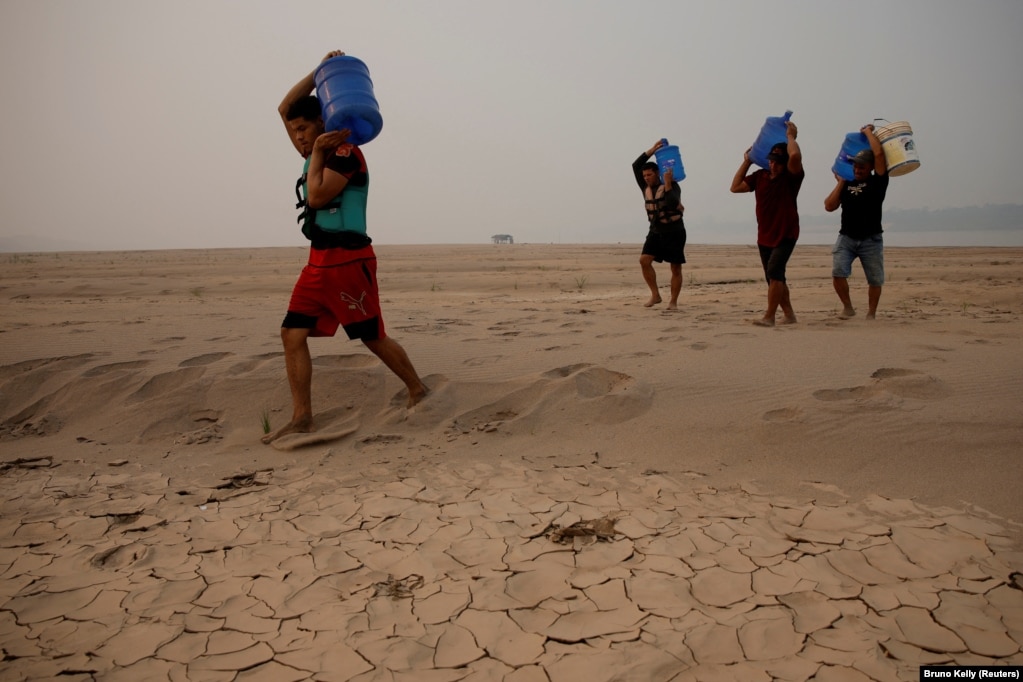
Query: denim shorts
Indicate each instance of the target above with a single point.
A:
(870, 251)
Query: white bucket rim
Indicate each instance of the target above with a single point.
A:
(893, 129)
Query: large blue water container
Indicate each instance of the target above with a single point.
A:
(667, 157)
(346, 96)
(771, 133)
(854, 143)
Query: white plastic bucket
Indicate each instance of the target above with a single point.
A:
(899, 149)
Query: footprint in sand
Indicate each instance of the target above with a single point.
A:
(910, 383)
(637, 354)
(575, 326)
(834, 394)
(889, 372)
(888, 381)
(380, 440)
(943, 349)
(207, 359)
(567, 370)
(437, 406)
(353, 361)
(482, 361)
(595, 382)
(20, 384)
(46, 365)
(101, 370)
(785, 414)
(329, 434)
(165, 383)
(580, 392)
(252, 363)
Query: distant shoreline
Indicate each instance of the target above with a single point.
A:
(892, 243)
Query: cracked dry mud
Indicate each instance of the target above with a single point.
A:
(448, 574)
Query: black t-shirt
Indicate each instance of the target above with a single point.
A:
(861, 206)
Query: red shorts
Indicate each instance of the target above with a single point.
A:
(338, 288)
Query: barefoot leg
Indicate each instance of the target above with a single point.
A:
(300, 378)
(842, 289)
(676, 285)
(646, 264)
(394, 356)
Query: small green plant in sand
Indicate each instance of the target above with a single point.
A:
(264, 420)
(196, 291)
(434, 287)
(580, 282)
(966, 306)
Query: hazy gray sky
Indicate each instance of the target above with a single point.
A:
(140, 124)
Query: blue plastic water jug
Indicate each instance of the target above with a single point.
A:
(346, 96)
(772, 132)
(668, 156)
(854, 143)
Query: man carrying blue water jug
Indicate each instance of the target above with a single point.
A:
(338, 286)
(775, 189)
(860, 233)
(666, 238)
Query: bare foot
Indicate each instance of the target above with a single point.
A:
(764, 322)
(847, 313)
(303, 425)
(788, 319)
(871, 316)
(414, 397)
(654, 300)
(672, 305)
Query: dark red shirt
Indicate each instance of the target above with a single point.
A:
(777, 215)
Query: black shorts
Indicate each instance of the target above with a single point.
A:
(667, 246)
(774, 259)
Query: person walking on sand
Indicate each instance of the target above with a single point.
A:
(775, 189)
(338, 286)
(666, 238)
(860, 233)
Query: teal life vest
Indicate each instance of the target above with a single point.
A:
(344, 213)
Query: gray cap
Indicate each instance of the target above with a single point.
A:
(863, 157)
